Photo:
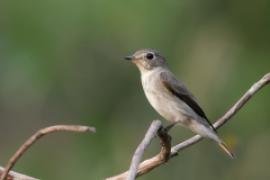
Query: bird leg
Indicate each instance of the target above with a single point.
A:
(170, 126)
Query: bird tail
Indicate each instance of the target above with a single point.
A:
(225, 148)
(213, 135)
(209, 132)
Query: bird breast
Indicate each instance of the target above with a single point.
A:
(166, 104)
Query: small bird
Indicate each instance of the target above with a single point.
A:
(170, 97)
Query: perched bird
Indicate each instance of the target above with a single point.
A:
(170, 97)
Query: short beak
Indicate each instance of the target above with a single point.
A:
(129, 58)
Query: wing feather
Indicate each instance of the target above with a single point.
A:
(180, 91)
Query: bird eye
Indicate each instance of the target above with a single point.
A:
(149, 56)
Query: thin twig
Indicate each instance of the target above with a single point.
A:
(35, 137)
(136, 159)
(154, 162)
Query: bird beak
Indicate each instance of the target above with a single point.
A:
(129, 58)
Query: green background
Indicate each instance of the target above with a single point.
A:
(61, 63)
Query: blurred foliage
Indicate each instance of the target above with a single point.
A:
(61, 62)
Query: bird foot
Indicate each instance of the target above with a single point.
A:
(169, 127)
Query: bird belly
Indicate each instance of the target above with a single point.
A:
(166, 104)
(175, 111)
(172, 108)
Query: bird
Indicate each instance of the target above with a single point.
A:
(171, 98)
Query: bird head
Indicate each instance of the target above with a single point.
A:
(146, 59)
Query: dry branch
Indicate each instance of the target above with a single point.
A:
(35, 137)
(149, 164)
(159, 159)
(16, 176)
(151, 133)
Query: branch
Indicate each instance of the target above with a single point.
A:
(149, 164)
(16, 176)
(162, 157)
(151, 133)
(35, 137)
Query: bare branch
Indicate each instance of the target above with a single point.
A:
(150, 134)
(39, 134)
(149, 164)
(162, 157)
(16, 176)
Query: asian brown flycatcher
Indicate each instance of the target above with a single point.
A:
(170, 97)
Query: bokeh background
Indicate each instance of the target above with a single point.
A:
(61, 62)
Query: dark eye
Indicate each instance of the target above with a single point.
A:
(149, 56)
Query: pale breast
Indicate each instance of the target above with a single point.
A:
(166, 104)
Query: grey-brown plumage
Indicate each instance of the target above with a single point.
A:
(170, 97)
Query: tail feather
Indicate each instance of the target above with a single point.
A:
(209, 132)
(225, 148)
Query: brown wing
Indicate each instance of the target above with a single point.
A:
(179, 90)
